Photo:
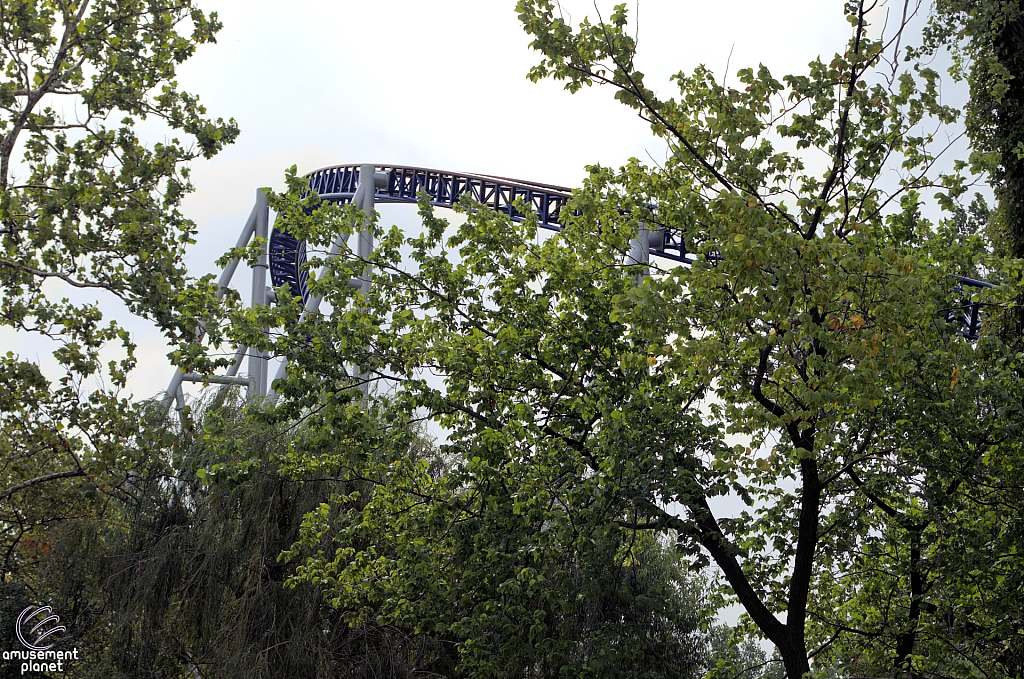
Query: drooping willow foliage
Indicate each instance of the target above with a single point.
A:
(183, 576)
(202, 586)
(185, 579)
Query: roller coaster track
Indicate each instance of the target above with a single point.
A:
(286, 256)
(338, 185)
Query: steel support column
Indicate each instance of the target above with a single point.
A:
(257, 358)
(364, 199)
(639, 253)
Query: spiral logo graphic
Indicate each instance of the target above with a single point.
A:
(34, 612)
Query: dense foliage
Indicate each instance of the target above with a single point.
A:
(185, 578)
(796, 412)
(188, 579)
(804, 364)
(88, 210)
(986, 40)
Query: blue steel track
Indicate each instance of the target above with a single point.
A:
(338, 184)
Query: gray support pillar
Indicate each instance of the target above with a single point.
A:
(369, 181)
(257, 358)
(364, 199)
(237, 362)
(243, 240)
(640, 252)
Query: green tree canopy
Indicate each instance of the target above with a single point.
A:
(87, 205)
(986, 39)
(803, 365)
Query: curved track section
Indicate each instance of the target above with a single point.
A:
(338, 184)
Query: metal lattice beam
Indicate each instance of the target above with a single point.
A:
(338, 184)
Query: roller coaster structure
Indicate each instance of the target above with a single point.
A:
(285, 257)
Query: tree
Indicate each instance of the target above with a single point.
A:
(803, 363)
(188, 577)
(521, 582)
(86, 205)
(986, 40)
(185, 579)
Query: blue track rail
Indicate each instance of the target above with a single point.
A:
(338, 184)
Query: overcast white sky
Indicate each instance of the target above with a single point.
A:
(440, 84)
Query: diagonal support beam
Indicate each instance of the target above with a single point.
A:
(174, 391)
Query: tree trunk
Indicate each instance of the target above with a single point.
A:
(908, 638)
(794, 658)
